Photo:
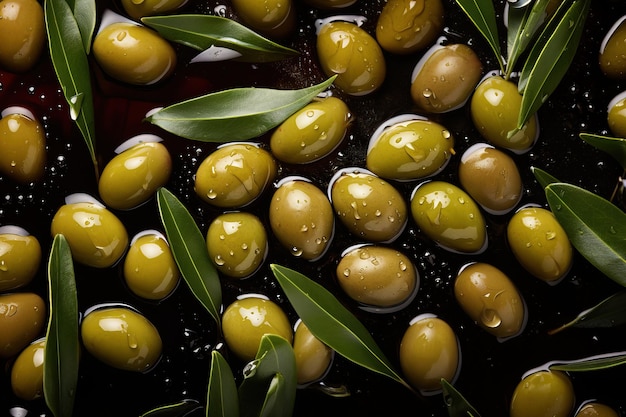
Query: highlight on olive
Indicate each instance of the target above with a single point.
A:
(616, 115)
(20, 257)
(22, 145)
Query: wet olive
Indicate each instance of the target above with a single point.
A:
(596, 409)
(313, 358)
(617, 115)
(234, 175)
(613, 52)
(409, 147)
(405, 26)
(272, 18)
(539, 243)
(22, 34)
(27, 371)
(22, 318)
(330, 4)
(22, 145)
(449, 216)
(247, 319)
(121, 337)
(237, 243)
(543, 393)
(348, 51)
(140, 8)
(311, 133)
(20, 257)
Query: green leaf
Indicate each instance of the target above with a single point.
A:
(332, 323)
(592, 363)
(595, 226)
(190, 252)
(610, 312)
(222, 398)
(274, 404)
(543, 177)
(62, 349)
(203, 31)
(179, 409)
(616, 147)
(457, 405)
(85, 13)
(235, 114)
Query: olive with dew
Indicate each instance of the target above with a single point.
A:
(612, 51)
(20, 257)
(596, 409)
(22, 145)
(22, 34)
(138, 9)
(313, 357)
(543, 393)
(27, 371)
(22, 318)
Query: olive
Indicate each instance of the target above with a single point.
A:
(445, 78)
(20, 257)
(370, 207)
(544, 393)
(313, 357)
(494, 109)
(150, 270)
(237, 243)
(22, 34)
(135, 173)
(27, 371)
(539, 243)
(22, 318)
(405, 27)
(330, 4)
(491, 178)
(140, 8)
(234, 175)
(22, 145)
(613, 52)
(121, 337)
(449, 216)
(596, 409)
(247, 319)
(377, 276)
(490, 299)
(409, 147)
(616, 116)
(348, 51)
(311, 133)
(301, 217)
(429, 352)
(95, 235)
(272, 18)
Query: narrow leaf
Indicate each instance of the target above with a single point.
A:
(616, 147)
(85, 14)
(610, 312)
(457, 405)
(274, 404)
(222, 398)
(592, 363)
(543, 177)
(179, 409)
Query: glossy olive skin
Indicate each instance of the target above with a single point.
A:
(234, 175)
(27, 372)
(20, 257)
(330, 4)
(446, 79)
(543, 394)
(405, 26)
(122, 338)
(22, 34)
(612, 58)
(22, 148)
(138, 9)
(539, 243)
(134, 54)
(22, 319)
(616, 116)
(313, 358)
(490, 298)
(311, 133)
(596, 409)
(348, 51)
(273, 18)
(237, 243)
(449, 216)
(246, 320)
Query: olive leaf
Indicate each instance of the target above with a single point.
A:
(616, 147)
(592, 363)
(85, 13)
(456, 403)
(222, 398)
(542, 177)
(179, 409)
(610, 312)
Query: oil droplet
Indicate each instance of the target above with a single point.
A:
(219, 260)
(132, 341)
(490, 318)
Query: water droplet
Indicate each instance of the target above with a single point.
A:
(490, 318)
(219, 260)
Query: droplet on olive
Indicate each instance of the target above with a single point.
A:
(313, 357)
(272, 18)
(616, 116)
(596, 409)
(20, 257)
(544, 393)
(22, 34)
(138, 9)
(27, 371)
(613, 51)
(22, 145)
(22, 318)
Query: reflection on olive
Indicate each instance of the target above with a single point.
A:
(22, 145)
(613, 51)
(20, 257)
(272, 18)
(596, 409)
(138, 9)
(27, 372)
(22, 34)
(313, 358)
(543, 393)
(22, 318)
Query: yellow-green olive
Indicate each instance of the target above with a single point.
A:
(494, 109)
(133, 54)
(491, 177)
(596, 409)
(140, 8)
(313, 357)
(311, 133)
(121, 337)
(330, 4)
(27, 371)
(445, 78)
(539, 243)
(150, 270)
(449, 216)
(20, 257)
(407, 26)
(22, 145)
(348, 51)
(247, 319)
(543, 393)
(613, 51)
(22, 34)
(429, 351)
(237, 243)
(616, 116)
(408, 147)
(234, 175)
(272, 18)
(22, 318)
(302, 219)
(490, 298)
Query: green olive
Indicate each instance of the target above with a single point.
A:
(408, 147)
(234, 175)
(494, 108)
(311, 133)
(596, 409)
(616, 116)
(313, 358)
(247, 319)
(490, 298)
(237, 243)
(348, 51)
(272, 18)
(134, 54)
(150, 270)
(543, 393)
(613, 51)
(330, 4)
(20, 257)
(22, 34)
(27, 371)
(121, 337)
(22, 145)
(140, 8)
(445, 78)
(22, 318)
(405, 27)
(539, 243)
(449, 216)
